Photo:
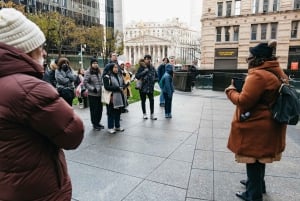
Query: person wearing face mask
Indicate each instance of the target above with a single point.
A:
(114, 82)
(36, 123)
(93, 83)
(65, 79)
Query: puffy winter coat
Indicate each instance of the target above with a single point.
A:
(35, 125)
(259, 136)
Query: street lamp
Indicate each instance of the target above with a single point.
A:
(82, 49)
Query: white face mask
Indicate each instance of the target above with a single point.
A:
(38, 56)
(40, 61)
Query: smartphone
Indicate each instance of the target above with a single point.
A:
(238, 83)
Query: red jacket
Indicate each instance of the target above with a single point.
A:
(259, 136)
(35, 125)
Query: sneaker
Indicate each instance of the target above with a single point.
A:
(97, 128)
(152, 117)
(145, 116)
(101, 126)
(162, 105)
(119, 129)
(111, 131)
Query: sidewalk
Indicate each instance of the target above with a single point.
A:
(180, 159)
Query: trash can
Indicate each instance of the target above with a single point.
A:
(182, 81)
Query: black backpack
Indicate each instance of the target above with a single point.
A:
(286, 108)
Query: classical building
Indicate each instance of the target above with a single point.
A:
(230, 27)
(164, 39)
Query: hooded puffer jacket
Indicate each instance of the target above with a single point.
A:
(35, 124)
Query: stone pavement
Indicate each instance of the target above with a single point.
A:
(180, 159)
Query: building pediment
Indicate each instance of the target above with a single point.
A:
(146, 39)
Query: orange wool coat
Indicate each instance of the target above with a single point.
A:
(259, 136)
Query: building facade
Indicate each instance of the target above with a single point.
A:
(160, 39)
(85, 12)
(230, 27)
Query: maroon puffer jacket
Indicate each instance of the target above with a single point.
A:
(35, 125)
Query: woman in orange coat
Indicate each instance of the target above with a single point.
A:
(255, 137)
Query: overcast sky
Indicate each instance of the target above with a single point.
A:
(156, 10)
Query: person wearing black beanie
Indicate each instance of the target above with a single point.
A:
(93, 83)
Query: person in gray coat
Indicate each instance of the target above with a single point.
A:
(65, 78)
(93, 83)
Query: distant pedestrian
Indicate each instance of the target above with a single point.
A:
(113, 59)
(148, 75)
(80, 90)
(255, 137)
(36, 124)
(113, 81)
(160, 72)
(93, 83)
(65, 78)
(167, 89)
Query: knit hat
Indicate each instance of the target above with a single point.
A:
(94, 60)
(18, 31)
(263, 50)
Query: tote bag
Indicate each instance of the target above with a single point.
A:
(105, 95)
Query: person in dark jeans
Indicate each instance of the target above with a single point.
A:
(160, 72)
(93, 83)
(167, 89)
(148, 75)
(113, 81)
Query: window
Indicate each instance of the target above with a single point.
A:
(263, 35)
(273, 30)
(294, 29)
(255, 6)
(237, 7)
(276, 5)
(266, 6)
(228, 8)
(297, 4)
(220, 9)
(227, 34)
(218, 36)
(253, 31)
(235, 33)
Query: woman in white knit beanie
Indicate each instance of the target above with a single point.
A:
(33, 129)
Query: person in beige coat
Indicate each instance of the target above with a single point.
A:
(255, 137)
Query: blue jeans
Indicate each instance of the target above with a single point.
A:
(113, 117)
(168, 104)
(161, 98)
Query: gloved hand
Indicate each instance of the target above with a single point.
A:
(95, 90)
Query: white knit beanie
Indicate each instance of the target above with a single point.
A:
(18, 31)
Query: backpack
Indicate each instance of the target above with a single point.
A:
(286, 108)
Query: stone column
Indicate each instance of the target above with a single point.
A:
(129, 51)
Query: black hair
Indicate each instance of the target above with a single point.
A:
(147, 56)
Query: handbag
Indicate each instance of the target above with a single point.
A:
(138, 84)
(105, 95)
